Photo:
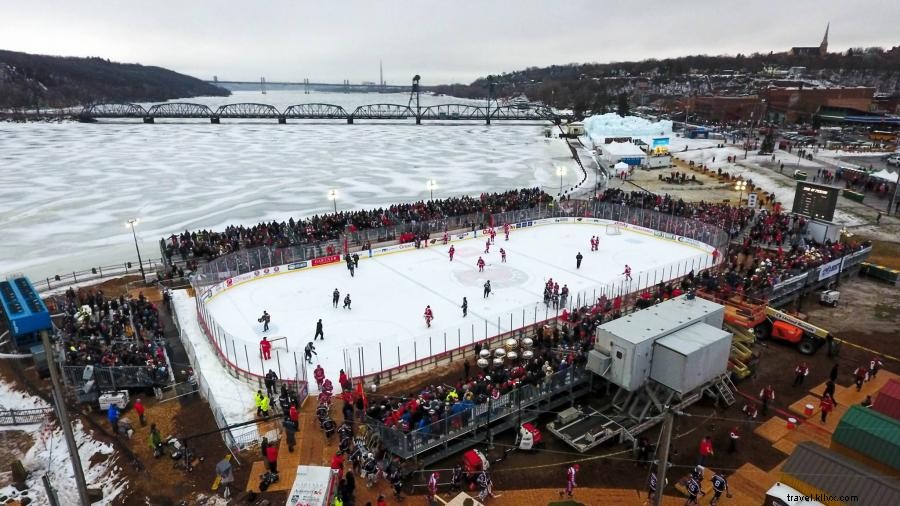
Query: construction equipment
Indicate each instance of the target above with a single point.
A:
(829, 298)
(782, 326)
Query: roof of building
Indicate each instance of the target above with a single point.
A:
(871, 433)
(692, 338)
(622, 149)
(661, 318)
(835, 474)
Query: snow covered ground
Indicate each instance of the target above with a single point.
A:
(49, 456)
(390, 292)
(68, 188)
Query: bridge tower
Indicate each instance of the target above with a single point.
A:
(346, 86)
(306, 86)
(414, 98)
(215, 79)
(490, 96)
(262, 85)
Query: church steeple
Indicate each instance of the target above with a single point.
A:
(823, 47)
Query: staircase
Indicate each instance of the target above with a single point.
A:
(726, 389)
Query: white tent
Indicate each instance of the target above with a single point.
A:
(885, 175)
(621, 168)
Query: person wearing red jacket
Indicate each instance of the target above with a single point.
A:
(272, 458)
(319, 375)
(452, 251)
(337, 463)
(826, 405)
(706, 449)
(294, 415)
(139, 409)
(266, 347)
(480, 264)
(429, 315)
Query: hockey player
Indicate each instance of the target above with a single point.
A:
(428, 316)
(487, 246)
(719, 484)
(355, 260)
(265, 319)
(309, 351)
(335, 297)
(446, 238)
(480, 264)
(502, 255)
(487, 288)
(319, 332)
(493, 234)
(627, 272)
(578, 259)
(266, 348)
(452, 251)
(347, 301)
(319, 375)
(506, 230)
(465, 307)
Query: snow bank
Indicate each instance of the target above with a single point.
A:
(613, 125)
(49, 456)
(231, 396)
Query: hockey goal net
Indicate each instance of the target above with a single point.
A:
(614, 229)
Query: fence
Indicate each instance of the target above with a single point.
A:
(238, 438)
(466, 417)
(242, 357)
(115, 378)
(94, 273)
(24, 416)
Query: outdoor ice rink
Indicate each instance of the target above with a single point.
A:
(390, 292)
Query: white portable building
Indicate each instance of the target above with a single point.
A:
(690, 357)
(624, 347)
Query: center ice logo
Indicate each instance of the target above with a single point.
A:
(500, 276)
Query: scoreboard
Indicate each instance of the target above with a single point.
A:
(815, 201)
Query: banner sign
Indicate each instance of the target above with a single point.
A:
(660, 141)
(830, 269)
(327, 259)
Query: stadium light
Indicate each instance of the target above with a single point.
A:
(131, 224)
(560, 171)
(332, 196)
(740, 186)
(431, 184)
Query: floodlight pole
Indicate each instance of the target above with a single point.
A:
(63, 415)
(131, 223)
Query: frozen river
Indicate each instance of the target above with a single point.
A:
(67, 189)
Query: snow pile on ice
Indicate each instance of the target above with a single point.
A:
(613, 125)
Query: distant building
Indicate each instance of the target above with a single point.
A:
(723, 109)
(799, 104)
(821, 50)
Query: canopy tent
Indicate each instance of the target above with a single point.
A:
(885, 174)
(621, 168)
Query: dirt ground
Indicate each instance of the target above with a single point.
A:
(866, 317)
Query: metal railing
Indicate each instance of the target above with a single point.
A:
(151, 265)
(24, 416)
(241, 356)
(115, 378)
(465, 417)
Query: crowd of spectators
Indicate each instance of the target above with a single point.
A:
(111, 332)
(318, 228)
(732, 219)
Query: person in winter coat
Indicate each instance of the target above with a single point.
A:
(319, 375)
(294, 415)
(112, 414)
(827, 406)
(155, 441)
(139, 409)
(272, 458)
(344, 381)
(270, 381)
(290, 432)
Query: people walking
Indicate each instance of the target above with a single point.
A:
(465, 307)
(112, 414)
(800, 373)
(335, 297)
(272, 458)
(767, 395)
(319, 332)
(270, 381)
(826, 406)
(309, 351)
(720, 485)
(875, 365)
(860, 375)
(290, 433)
(571, 474)
(578, 258)
(706, 450)
(266, 348)
(139, 409)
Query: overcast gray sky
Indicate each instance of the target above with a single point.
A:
(444, 41)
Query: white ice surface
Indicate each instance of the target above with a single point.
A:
(67, 189)
(390, 293)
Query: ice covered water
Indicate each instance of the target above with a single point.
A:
(67, 189)
(385, 325)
